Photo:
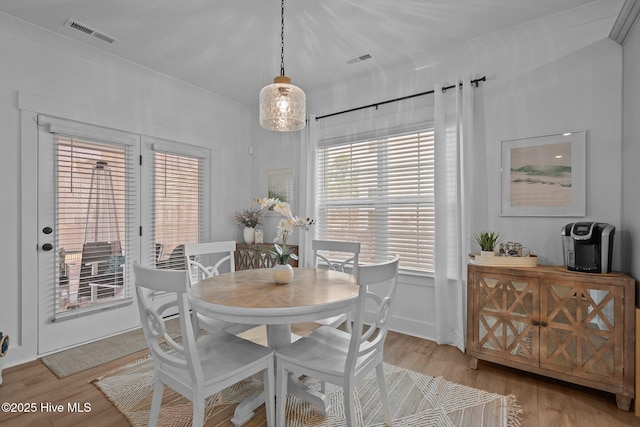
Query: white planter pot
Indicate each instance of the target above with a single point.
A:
(487, 253)
(249, 234)
(282, 273)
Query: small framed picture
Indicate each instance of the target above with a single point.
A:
(544, 175)
(279, 184)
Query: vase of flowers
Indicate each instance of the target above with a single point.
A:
(250, 218)
(282, 272)
(4, 347)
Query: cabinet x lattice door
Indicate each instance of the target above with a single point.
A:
(506, 309)
(580, 334)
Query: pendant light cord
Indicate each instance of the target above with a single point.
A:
(282, 38)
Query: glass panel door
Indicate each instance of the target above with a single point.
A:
(87, 219)
(178, 206)
(506, 306)
(580, 328)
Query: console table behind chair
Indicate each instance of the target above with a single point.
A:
(257, 255)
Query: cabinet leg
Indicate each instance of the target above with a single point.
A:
(473, 363)
(623, 402)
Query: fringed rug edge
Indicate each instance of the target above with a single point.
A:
(514, 411)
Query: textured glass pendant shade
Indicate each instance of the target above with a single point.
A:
(282, 106)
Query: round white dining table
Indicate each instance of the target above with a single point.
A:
(252, 297)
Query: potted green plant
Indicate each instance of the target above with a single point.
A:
(487, 240)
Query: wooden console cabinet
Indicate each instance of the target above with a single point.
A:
(257, 255)
(576, 327)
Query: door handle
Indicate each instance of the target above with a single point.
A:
(47, 247)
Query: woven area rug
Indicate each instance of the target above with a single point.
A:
(417, 400)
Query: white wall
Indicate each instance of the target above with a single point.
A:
(540, 80)
(631, 155)
(105, 91)
(581, 90)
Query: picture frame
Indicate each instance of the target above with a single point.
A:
(544, 175)
(279, 185)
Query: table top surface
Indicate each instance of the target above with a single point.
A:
(254, 293)
(256, 289)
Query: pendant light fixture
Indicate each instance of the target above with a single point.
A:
(282, 105)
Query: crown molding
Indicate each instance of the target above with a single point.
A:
(626, 19)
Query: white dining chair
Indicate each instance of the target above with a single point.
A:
(203, 260)
(195, 369)
(343, 358)
(338, 256)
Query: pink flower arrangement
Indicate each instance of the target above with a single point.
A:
(248, 217)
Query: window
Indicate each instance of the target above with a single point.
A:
(89, 198)
(380, 192)
(179, 176)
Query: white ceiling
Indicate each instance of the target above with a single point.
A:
(232, 47)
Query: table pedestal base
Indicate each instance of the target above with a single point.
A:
(319, 401)
(246, 409)
(279, 336)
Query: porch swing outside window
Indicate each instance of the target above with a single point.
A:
(380, 192)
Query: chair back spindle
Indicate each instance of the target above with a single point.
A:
(324, 249)
(195, 254)
(163, 348)
(325, 254)
(370, 336)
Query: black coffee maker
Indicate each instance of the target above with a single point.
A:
(588, 246)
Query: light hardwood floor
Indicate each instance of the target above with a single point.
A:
(545, 402)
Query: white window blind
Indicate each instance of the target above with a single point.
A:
(380, 192)
(179, 200)
(95, 216)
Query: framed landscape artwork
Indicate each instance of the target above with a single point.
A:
(279, 184)
(544, 175)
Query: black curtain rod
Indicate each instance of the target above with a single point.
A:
(444, 89)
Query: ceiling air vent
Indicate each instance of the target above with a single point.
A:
(72, 23)
(359, 58)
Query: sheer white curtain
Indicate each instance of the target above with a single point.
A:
(308, 184)
(453, 123)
